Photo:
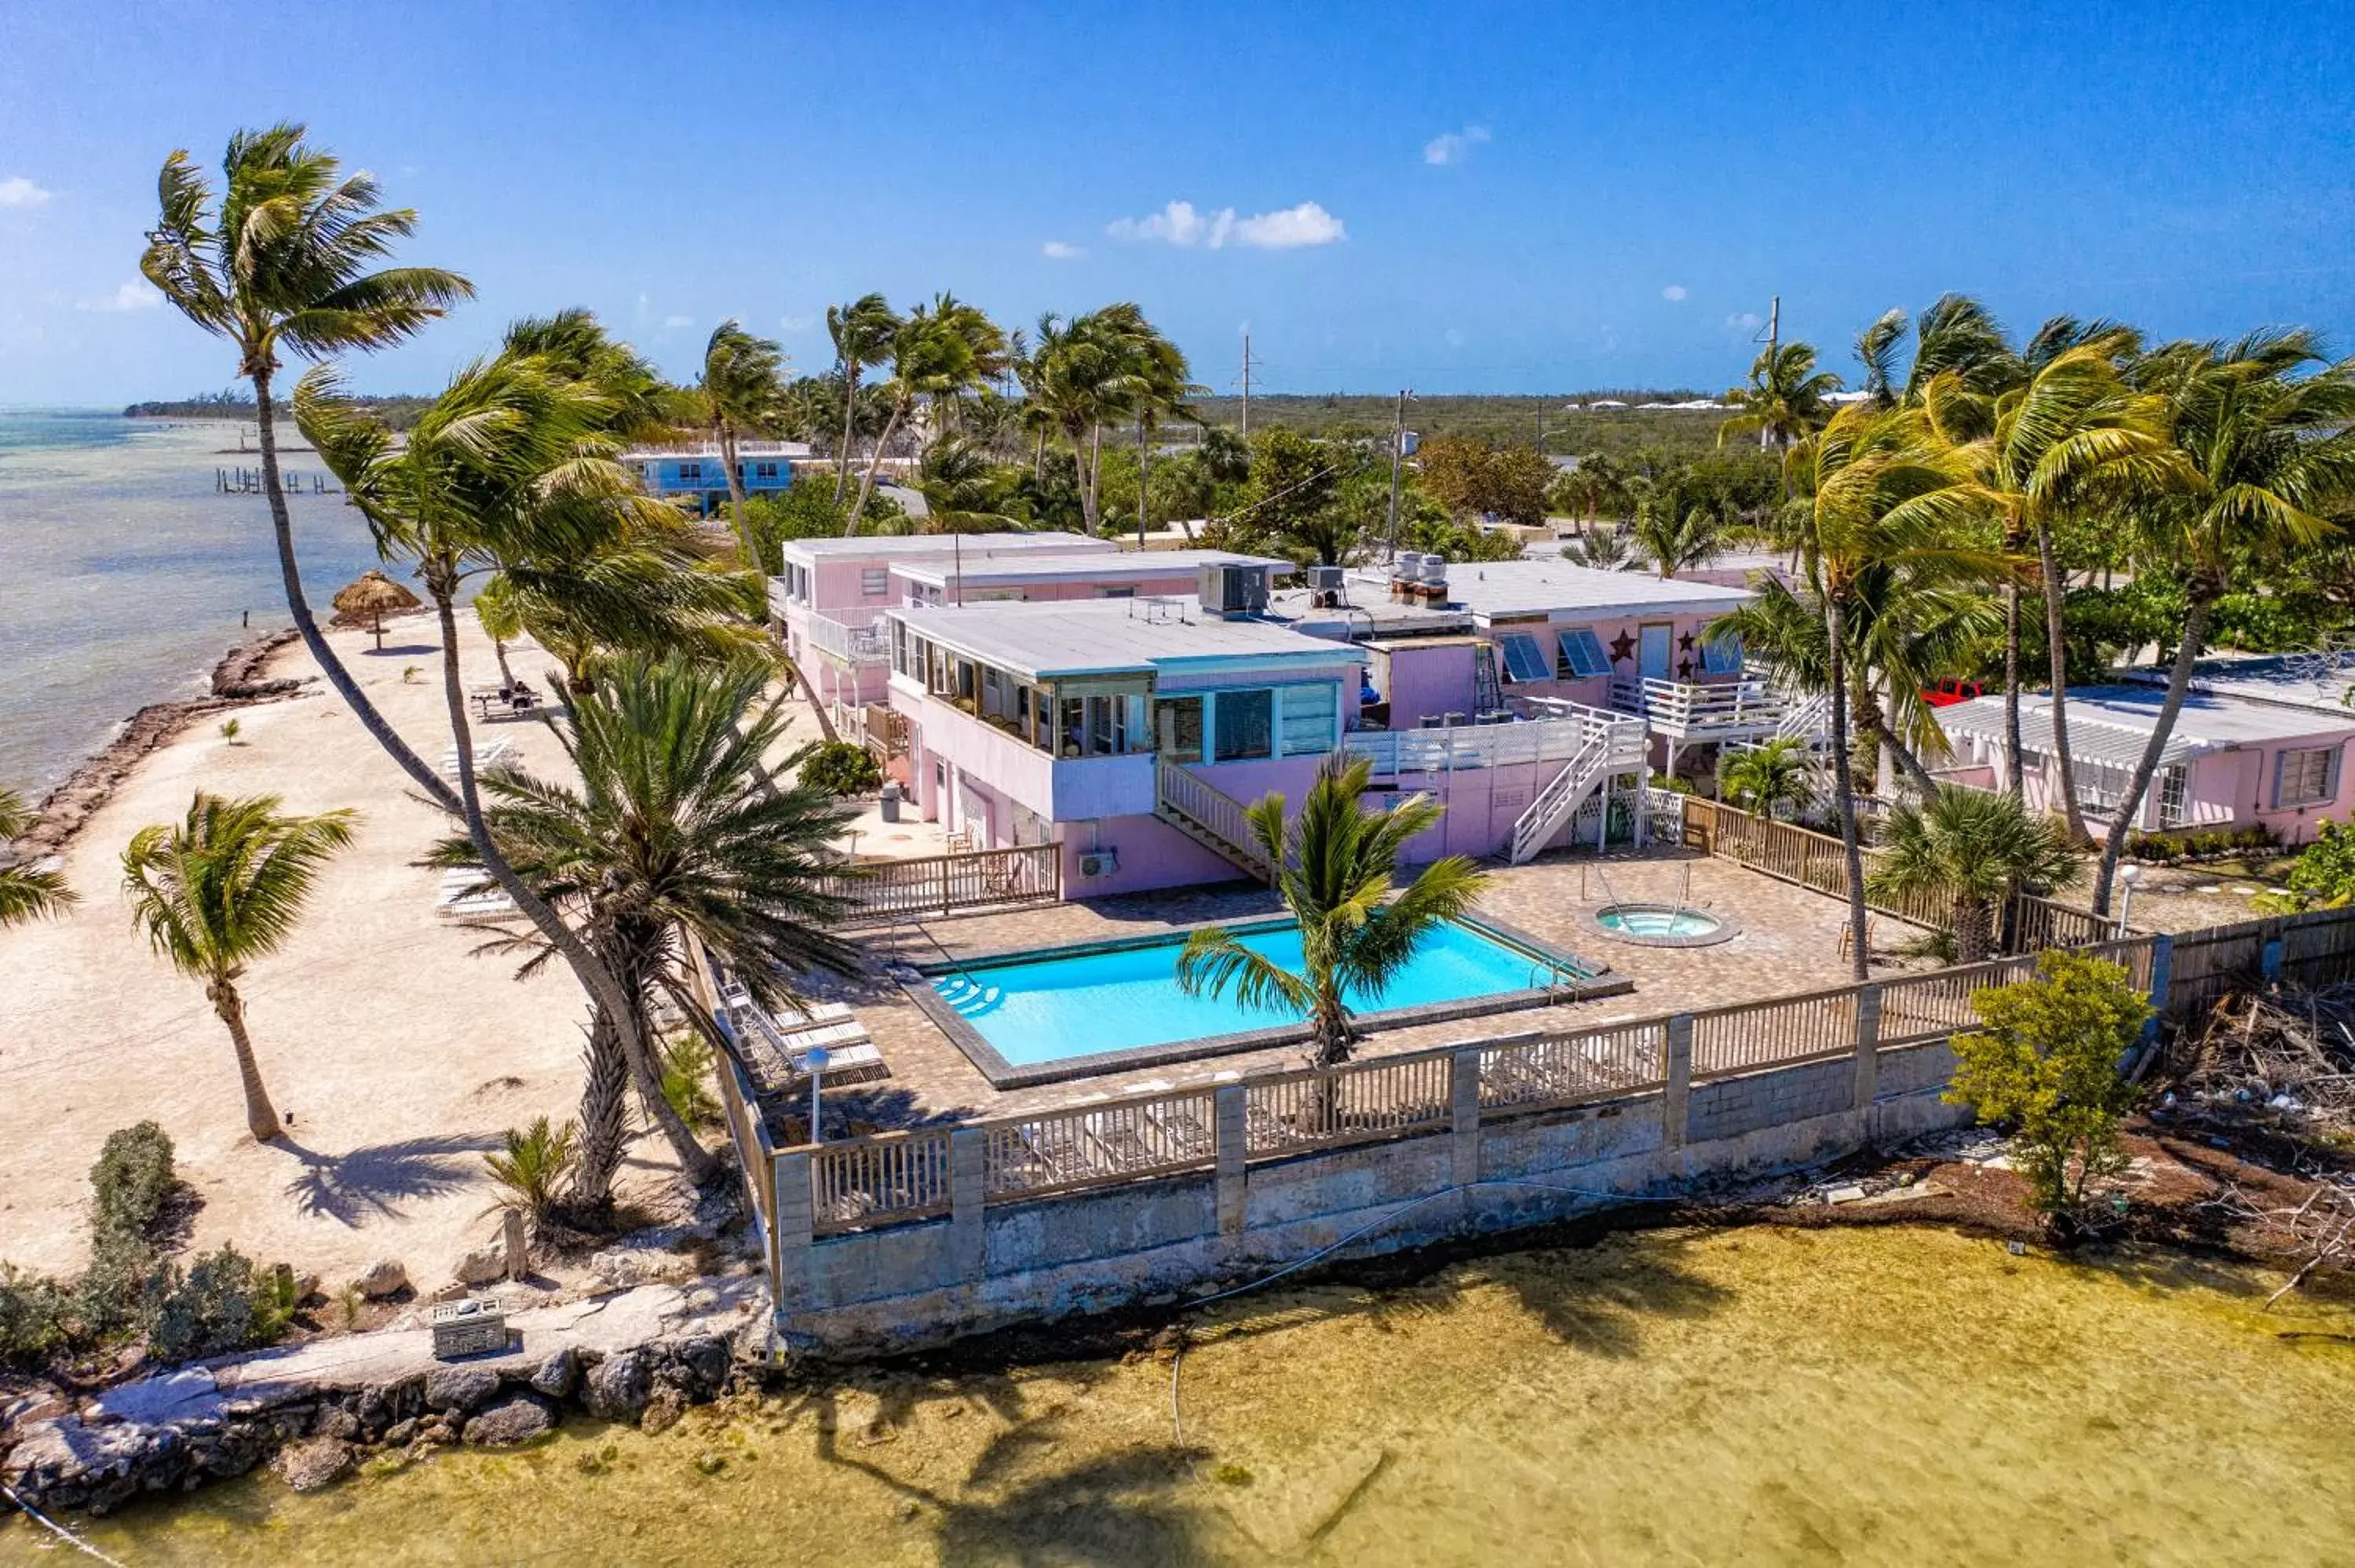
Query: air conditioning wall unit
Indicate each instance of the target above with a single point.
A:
(1099, 863)
(1233, 589)
(1327, 586)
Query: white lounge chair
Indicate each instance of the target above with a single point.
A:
(488, 755)
(463, 897)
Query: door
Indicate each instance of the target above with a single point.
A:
(1659, 640)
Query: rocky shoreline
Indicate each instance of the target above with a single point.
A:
(236, 682)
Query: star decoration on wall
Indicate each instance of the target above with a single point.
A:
(1684, 642)
(1684, 667)
(1623, 648)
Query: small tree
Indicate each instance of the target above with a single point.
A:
(2323, 876)
(1772, 778)
(2048, 1061)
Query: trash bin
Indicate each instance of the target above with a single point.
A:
(891, 802)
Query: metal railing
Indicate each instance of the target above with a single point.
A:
(885, 890)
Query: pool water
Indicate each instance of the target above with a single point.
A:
(1657, 922)
(1054, 1007)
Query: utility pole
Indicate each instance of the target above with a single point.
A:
(1247, 384)
(1773, 345)
(1397, 451)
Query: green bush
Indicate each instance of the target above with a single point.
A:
(687, 1080)
(33, 1317)
(842, 767)
(132, 1181)
(533, 1167)
(223, 1303)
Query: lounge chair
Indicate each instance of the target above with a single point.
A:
(465, 895)
(487, 756)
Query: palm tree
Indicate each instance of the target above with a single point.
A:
(283, 263)
(964, 492)
(1974, 848)
(1957, 334)
(863, 332)
(1770, 778)
(1358, 931)
(502, 621)
(939, 353)
(1876, 350)
(676, 842)
(2268, 457)
(1084, 373)
(27, 892)
(1164, 384)
(221, 889)
(1670, 539)
(1603, 549)
(1784, 398)
(2072, 430)
(742, 393)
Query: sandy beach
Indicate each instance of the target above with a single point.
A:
(395, 1056)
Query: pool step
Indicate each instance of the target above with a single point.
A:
(962, 993)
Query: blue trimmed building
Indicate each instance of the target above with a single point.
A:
(698, 474)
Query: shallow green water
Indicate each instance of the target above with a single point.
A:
(1757, 1396)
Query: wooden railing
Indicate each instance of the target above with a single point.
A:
(1915, 1009)
(1556, 738)
(756, 1151)
(1056, 1150)
(1573, 1068)
(2040, 923)
(1213, 812)
(889, 1176)
(1360, 1103)
(1751, 1035)
(1797, 855)
(942, 884)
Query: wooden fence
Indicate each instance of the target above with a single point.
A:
(887, 890)
(2313, 948)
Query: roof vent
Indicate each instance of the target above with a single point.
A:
(1435, 577)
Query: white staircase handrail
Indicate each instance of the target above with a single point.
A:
(1215, 813)
(1559, 799)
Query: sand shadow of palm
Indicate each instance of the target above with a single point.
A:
(374, 1180)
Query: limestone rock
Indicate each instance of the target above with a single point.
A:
(459, 1388)
(306, 1466)
(559, 1375)
(335, 1421)
(399, 1434)
(385, 1276)
(702, 1363)
(619, 1385)
(483, 1266)
(662, 1410)
(518, 1418)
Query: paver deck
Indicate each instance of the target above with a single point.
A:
(1789, 942)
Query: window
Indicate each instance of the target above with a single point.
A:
(2306, 778)
(2174, 795)
(2100, 786)
(1722, 655)
(1582, 654)
(690, 473)
(875, 581)
(1523, 662)
(1310, 714)
(1177, 728)
(1129, 592)
(764, 471)
(1241, 722)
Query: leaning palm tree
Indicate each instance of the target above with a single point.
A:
(2267, 448)
(27, 892)
(1669, 539)
(1084, 373)
(1164, 384)
(222, 888)
(1974, 849)
(676, 842)
(1358, 930)
(863, 332)
(1774, 777)
(938, 353)
(1784, 398)
(287, 262)
(742, 393)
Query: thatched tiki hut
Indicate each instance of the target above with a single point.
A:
(371, 598)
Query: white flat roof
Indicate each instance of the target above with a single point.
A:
(2113, 724)
(1497, 589)
(2321, 681)
(1182, 564)
(1112, 636)
(893, 547)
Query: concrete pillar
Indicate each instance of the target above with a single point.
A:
(795, 1249)
(1231, 1123)
(968, 1179)
(1464, 1083)
(1868, 1046)
(1676, 1094)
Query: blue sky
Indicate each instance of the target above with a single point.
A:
(1458, 199)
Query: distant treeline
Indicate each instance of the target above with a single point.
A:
(1562, 423)
(400, 411)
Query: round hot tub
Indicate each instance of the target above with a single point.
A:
(1662, 925)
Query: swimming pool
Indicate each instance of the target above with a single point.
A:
(1048, 1010)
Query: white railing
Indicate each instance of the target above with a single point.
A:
(1682, 708)
(852, 644)
(1559, 798)
(1183, 794)
(1554, 739)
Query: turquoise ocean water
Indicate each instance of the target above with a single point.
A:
(123, 576)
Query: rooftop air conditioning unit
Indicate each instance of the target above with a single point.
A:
(1233, 589)
(1324, 587)
(1435, 577)
(1099, 863)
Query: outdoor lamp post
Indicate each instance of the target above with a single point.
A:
(815, 1061)
(2129, 874)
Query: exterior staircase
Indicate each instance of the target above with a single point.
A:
(1612, 744)
(1210, 817)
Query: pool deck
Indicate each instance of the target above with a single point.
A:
(1789, 943)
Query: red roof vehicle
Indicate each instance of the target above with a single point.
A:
(1946, 694)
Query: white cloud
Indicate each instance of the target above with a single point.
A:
(1745, 321)
(672, 322)
(1063, 250)
(1453, 146)
(797, 323)
(136, 295)
(18, 191)
(1673, 292)
(1180, 223)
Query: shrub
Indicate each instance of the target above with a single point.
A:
(132, 1181)
(534, 1167)
(33, 1312)
(223, 1303)
(842, 767)
(687, 1080)
(2048, 1060)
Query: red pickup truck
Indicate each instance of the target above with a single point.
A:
(1946, 694)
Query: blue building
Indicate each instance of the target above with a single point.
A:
(697, 474)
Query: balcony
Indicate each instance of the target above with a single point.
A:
(1687, 712)
(853, 645)
(1554, 739)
